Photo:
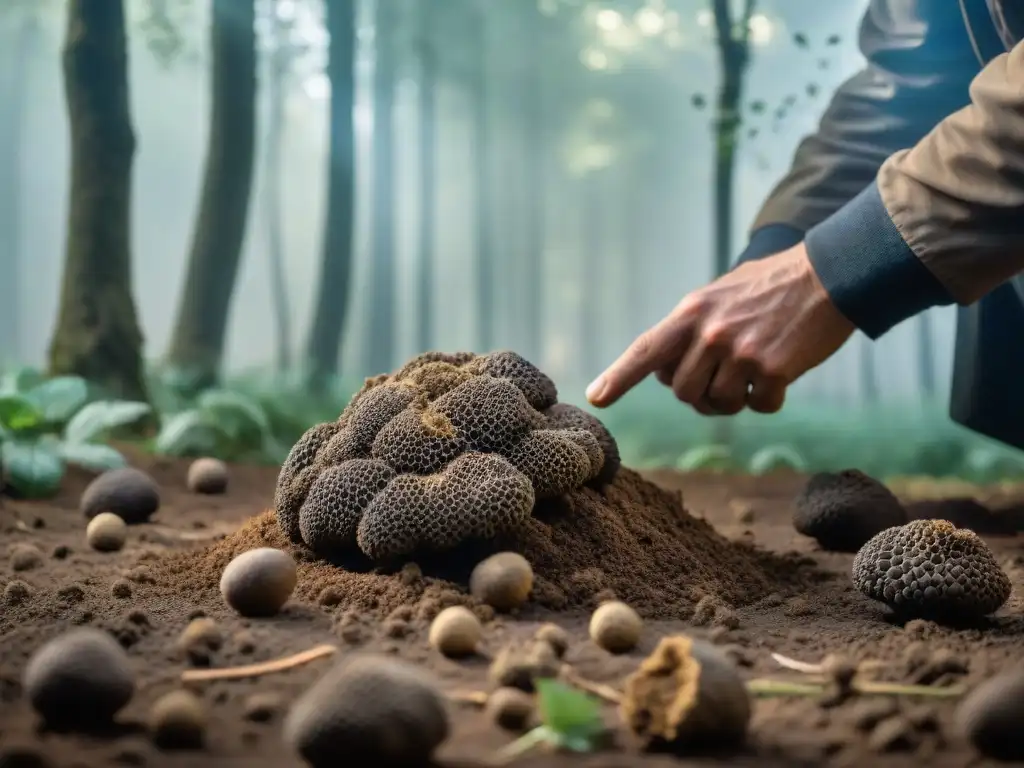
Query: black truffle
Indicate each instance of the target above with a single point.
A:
(129, 493)
(843, 510)
(931, 569)
(991, 714)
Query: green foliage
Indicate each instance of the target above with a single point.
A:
(46, 424)
(775, 457)
(716, 458)
(570, 720)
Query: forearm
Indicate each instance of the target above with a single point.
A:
(942, 222)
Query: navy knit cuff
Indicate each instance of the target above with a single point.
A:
(871, 274)
(769, 240)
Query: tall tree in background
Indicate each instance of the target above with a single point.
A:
(868, 374)
(197, 346)
(483, 208)
(21, 36)
(537, 160)
(97, 332)
(733, 39)
(333, 290)
(380, 354)
(926, 355)
(278, 69)
(426, 242)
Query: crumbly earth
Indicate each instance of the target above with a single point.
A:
(138, 593)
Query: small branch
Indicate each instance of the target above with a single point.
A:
(258, 670)
(896, 689)
(606, 692)
(476, 698)
(798, 666)
(763, 687)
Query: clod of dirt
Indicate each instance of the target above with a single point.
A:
(616, 627)
(25, 557)
(510, 708)
(262, 707)
(894, 734)
(106, 532)
(502, 581)
(686, 694)
(207, 476)
(555, 636)
(17, 592)
(177, 720)
(373, 710)
(200, 639)
(455, 632)
(79, 680)
(259, 582)
(23, 756)
(449, 448)
(129, 493)
(991, 714)
(520, 665)
(931, 569)
(843, 510)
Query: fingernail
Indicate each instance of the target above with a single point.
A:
(596, 389)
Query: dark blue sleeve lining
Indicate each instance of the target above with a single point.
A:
(869, 271)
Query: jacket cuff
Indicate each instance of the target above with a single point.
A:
(871, 274)
(769, 240)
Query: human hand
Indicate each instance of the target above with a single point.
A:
(738, 342)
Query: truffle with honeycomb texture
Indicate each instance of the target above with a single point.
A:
(477, 496)
(566, 416)
(450, 447)
(931, 569)
(842, 510)
(331, 513)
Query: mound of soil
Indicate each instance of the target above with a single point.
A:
(634, 541)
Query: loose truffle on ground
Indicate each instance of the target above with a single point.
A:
(931, 569)
(502, 581)
(686, 694)
(449, 448)
(259, 582)
(177, 720)
(843, 510)
(129, 493)
(106, 532)
(207, 475)
(455, 631)
(990, 716)
(372, 710)
(79, 680)
(616, 627)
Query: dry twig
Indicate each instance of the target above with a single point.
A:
(258, 670)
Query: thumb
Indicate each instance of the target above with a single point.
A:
(652, 350)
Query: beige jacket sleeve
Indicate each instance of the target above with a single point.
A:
(957, 197)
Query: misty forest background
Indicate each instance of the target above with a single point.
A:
(235, 210)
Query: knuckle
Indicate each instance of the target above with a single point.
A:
(642, 345)
(692, 306)
(716, 335)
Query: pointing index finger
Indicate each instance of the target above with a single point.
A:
(652, 350)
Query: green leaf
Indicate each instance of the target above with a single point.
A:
(20, 380)
(18, 413)
(100, 417)
(185, 433)
(94, 457)
(237, 414)
(713, 457)
(572, 714)
(58, 398)
(774, 457)
(31, 468)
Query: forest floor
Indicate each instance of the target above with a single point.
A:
(72, 585)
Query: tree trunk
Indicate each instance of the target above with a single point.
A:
(537, 161)
(333, 291)
(483, 208)
(381, 352)
(926, 355)
(726, 131)
(14, 94)
(97, 332)
(197, 347)
(592, 268)
(427, 178)
(868, 376)
(277, 94)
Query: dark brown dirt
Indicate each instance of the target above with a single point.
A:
(683, 575)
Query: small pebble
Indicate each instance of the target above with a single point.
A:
(121, 589)
(61, 551)
(262, 707)
(510, 708)
(555, 636)
(208, 476)
(616, 627)
(16, 592)
(892, 735)
(244, 641)
(79, 679)
(178, 721)
(259, 582)
(25, 557)
(456, 632)
(106, 532)
(200, 639)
